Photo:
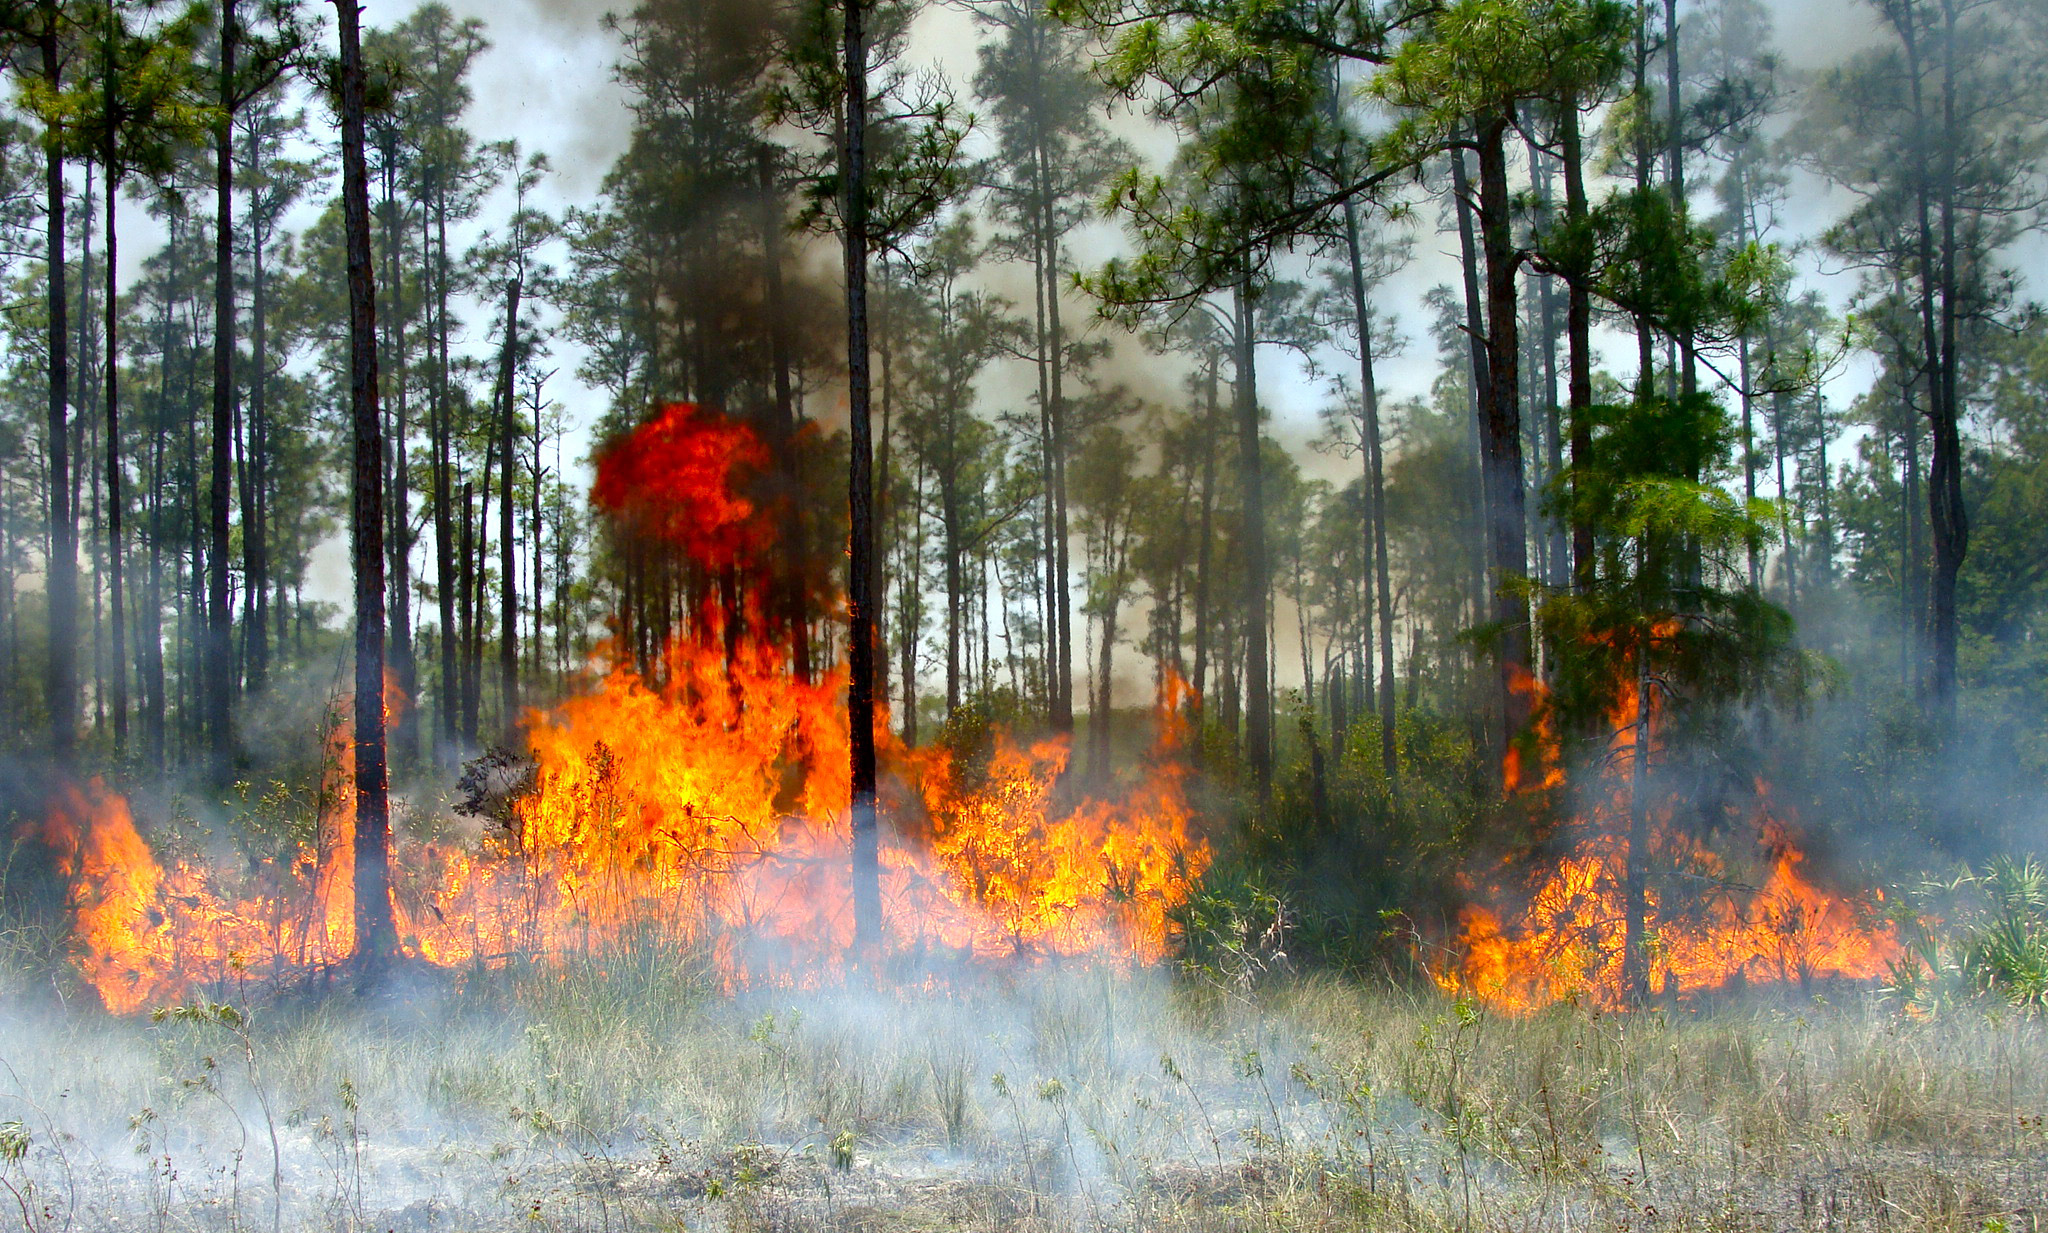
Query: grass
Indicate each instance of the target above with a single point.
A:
(621, 1094)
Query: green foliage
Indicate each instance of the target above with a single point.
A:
(139, 99)
(1669, 602)
(1982, 935)
(1296, 890)
(1482, 57)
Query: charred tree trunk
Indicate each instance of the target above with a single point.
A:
(860, 696)
(220, 634)
(1578, 328)
(375, 924)
(1507, 543)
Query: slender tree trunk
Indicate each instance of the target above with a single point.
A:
(1251, 470)
(444, 482)
(1674, 137)
(860, 697)
(1205, 537)
(1063, 608)
(155, 702)
(792, 600)
(1047, 522)
(1915, 613)
(1475, 342)
(375, 924)
(538, 542)
(220, 632)
(1557, 571)
(1376, 494)
(1099, 722)
(256, 528)
(508, 572)
(1949, 517)
(394, 367)
(949, 518)
(1635, 979)
(85, 430)
(61, 682)
(1504, 480)
(117, 627)
(469, 585)
(913, 606)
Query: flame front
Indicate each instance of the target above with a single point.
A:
(1566, 940)
(705, 802)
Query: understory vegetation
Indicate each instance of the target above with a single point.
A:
(624, 1092)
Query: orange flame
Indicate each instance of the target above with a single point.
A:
(679, 478)
(1566, 939)
(146, 932)
(705, 803)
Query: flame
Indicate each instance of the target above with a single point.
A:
(1565, 939)
(704, 802)
(147, 931)
(681, 478)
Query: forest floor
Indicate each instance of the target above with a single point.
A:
(622, 1096)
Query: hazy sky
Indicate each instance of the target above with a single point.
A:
(547, 79)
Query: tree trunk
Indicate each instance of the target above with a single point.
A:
(508, 572)
(61, 682)
(1205, 536)
(1950, 519)
(404, 663)
(256, 526)
(1475, 344)
(949, 525)
(1376, 494)
(1635, 980)
(1063, 609)
(1674, 141)
(375, 924)
(1251, 477)
(117, 628)
(791, 582)
(220, 633)
(1507, 543)
(1578, 328)
(444, 481)
(860, 697)
(468, 586)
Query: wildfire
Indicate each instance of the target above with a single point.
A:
(1566, 939)
(146, 931)
(705, 802)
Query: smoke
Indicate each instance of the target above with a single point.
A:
(621, 1079)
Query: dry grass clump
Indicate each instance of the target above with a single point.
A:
(624, 1092)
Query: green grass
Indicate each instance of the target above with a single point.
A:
(622, 1093)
